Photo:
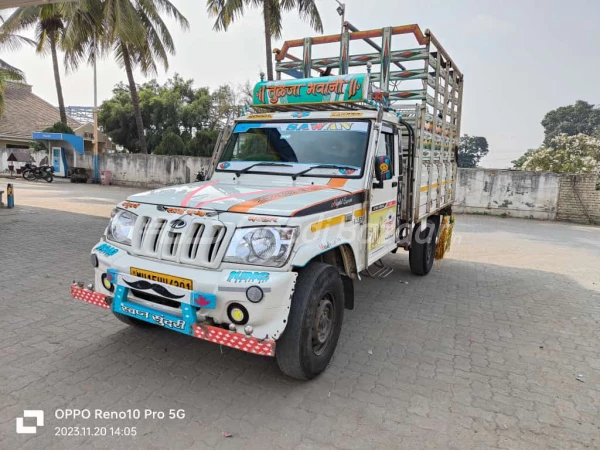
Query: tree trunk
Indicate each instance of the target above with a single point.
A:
(59, 93)
(267, 19)
(135, 100)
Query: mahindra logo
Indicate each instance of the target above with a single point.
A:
(178, 224)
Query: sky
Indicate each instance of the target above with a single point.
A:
(520, 58)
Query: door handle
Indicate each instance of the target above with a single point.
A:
(395, 184)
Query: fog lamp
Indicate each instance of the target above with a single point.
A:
(237, 314)
(106, 283)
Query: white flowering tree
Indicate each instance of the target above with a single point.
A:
(572, 154)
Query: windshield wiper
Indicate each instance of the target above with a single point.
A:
(321, 166)
(263, 163)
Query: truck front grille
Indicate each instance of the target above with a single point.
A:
(199, 242)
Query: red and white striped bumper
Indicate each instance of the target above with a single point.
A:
(205, 332)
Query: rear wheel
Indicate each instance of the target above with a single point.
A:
(314, 323)
(49, 177)
(422, 248)
(131, 321)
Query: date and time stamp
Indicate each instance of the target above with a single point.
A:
(93, 422)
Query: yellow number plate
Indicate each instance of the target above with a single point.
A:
(183, 283)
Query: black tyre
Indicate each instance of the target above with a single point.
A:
(29, 175)
(422, 248)
(131, 321)
(49, 178)
(24, 173)
(314, 323)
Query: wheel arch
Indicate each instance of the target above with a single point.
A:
(343, 258)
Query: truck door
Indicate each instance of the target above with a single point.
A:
(383, 206)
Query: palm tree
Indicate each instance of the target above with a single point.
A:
(133, 30)
(227, 11)
(48, 22)
(8, 72)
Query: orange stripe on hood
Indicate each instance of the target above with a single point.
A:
(248, 205)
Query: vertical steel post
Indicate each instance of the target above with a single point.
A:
(344, 49)
(386, 44)
(96, 169)
(306, 58)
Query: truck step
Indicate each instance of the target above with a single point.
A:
(378, 270)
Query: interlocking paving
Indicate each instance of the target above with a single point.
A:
(484, 353)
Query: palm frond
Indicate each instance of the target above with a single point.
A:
(10, 72)
(225, 11)
(307, 10)
(12, 42)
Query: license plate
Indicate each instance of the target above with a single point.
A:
(183, 283)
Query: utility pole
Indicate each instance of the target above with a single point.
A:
(96, 170)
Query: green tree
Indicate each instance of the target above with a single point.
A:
(580, 118)
(227, 11)
(571, 154)
(135, 33)
(170, 144)
(10, 41)
(518, 163)
(49, 24)
(59, 127)
(471, 149)
(7, 73)
(194, 114)
(203, 143)
(117, 119)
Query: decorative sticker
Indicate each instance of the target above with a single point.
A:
(204, 300)
(248, 277)
(158, 318)
(260, 116)
(346, 114)
(300, 115)
(263, 219)
(224, 165)
(106, 249)
(382, 224)
(179, 211)
(329, 244)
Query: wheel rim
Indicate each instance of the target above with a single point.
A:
(323, 323)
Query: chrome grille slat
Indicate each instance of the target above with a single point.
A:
(200, 243)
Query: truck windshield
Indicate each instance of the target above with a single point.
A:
(303, 143)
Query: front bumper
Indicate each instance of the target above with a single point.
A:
(222, 288)
(187, 324)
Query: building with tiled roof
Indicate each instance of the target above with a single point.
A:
(25, 113)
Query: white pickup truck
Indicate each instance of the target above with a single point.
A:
(324, 177)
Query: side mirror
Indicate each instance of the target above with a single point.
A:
(383, 170)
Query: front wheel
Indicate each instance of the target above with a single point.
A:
(314, 323)
(49, 178)
(29, 175)
(422, 248)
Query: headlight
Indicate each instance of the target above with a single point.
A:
(120, 228)
(264, 246)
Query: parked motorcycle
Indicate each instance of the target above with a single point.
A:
(41, 172)
(26, 168)
(201, 176)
